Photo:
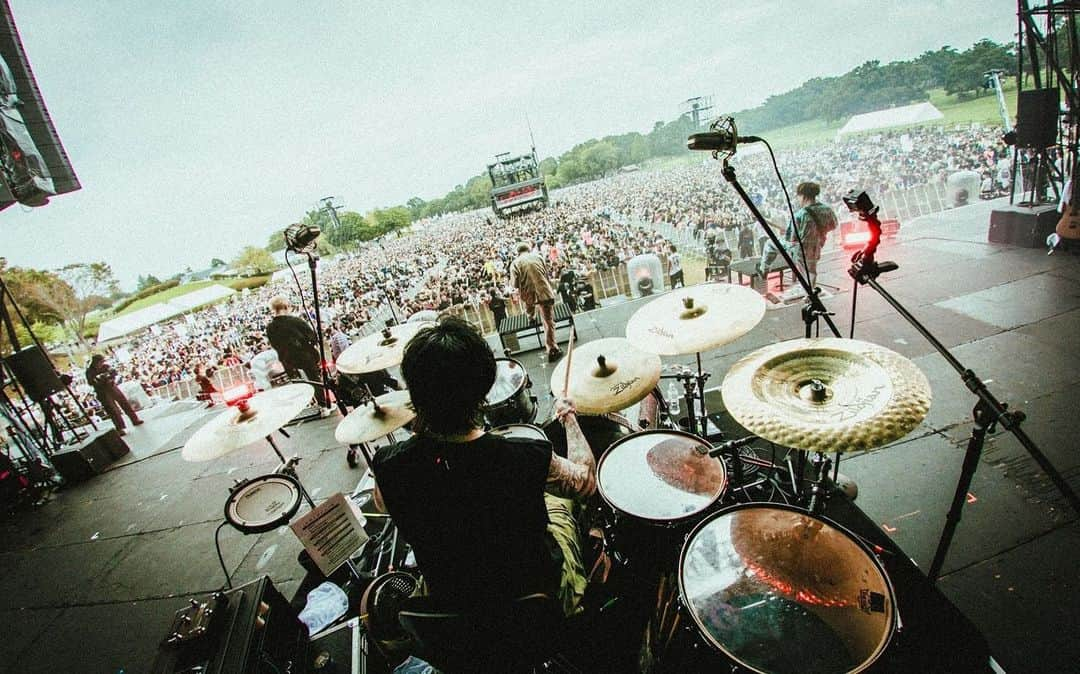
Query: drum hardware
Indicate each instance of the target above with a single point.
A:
(988, 411)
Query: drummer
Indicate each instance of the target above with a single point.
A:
(490, 518)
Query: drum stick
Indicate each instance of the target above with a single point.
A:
(569, 362)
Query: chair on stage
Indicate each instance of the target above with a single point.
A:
(517, 637)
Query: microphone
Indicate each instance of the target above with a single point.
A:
(723, 140)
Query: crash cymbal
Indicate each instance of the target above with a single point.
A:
(234, 428)
(380, 350)
(695, 319)
(369, 422)
(607, 375)
(827, 395)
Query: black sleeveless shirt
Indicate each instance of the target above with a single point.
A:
(474, 513)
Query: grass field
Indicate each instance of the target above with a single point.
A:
(983, 109)
(178, 291)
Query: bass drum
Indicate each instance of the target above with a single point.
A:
(508, 401)
(775, 589)
(601, 432)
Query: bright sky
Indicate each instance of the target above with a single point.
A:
(199, 127)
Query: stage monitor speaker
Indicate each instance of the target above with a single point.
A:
(1037, 113)
(1023, 226)
(35, 373)
(90, 457)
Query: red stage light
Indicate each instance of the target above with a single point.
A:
(239, 393)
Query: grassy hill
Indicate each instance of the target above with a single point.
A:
(178, 291)
(983, 109)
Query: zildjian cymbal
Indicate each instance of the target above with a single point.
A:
(237, 427)
(695, 319)
(389, 412)
(380, 350)
(607, 375)
(827, 395)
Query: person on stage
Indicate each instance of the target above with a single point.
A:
(296, 345)
(490, 518)
(813, 221)
(102, 378)
(529, 274)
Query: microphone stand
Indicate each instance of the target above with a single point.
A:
(328, 388)
(814, 308)
(988, 411)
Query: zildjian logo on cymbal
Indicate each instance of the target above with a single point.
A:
(657, 330)
(623, 385)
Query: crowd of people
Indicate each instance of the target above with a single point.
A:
(463, 259)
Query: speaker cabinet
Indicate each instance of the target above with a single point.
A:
(1037, 113)
(90, 457)
(35, 373)
(1023, 226)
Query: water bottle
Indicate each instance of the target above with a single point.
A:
(673, 400)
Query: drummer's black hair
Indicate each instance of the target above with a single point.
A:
(449, 370)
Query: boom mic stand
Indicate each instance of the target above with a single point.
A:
(814, 308)
(324, 368)
(988, 411)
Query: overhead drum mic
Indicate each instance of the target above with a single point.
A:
(721, 139)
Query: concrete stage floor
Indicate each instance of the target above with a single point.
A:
(89, 581)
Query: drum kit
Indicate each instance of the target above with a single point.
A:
(768, 587)
(756, 585)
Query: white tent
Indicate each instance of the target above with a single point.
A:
(144, 318)
(881, 119)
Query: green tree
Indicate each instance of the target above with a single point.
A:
(254, 260)
(93, 283)
(149, 281)
(277, 241)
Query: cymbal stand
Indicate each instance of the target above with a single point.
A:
(819, 490)
(988, 411)
(814, 308)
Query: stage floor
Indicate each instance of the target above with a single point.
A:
(91, 578)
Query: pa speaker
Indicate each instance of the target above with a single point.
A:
(1037, 117)
(35, 373)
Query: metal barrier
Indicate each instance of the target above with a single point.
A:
(223, 378)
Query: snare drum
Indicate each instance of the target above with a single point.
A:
(775, 589)
(508, 401)
(660, 477)
(263, 503)
(527, 431)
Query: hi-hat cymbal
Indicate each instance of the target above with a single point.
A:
(607, 375)
(369, 422)
(380, 350)
(695, 319)
(232, 429)
(827, 395)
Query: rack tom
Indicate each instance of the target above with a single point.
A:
(508, 401)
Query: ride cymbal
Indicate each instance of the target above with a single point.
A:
(234, 428)
(369, 422)
(607, 375)
(695, 319)
(380, 350)
(827, 394)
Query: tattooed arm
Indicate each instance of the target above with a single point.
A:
(574, 476)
